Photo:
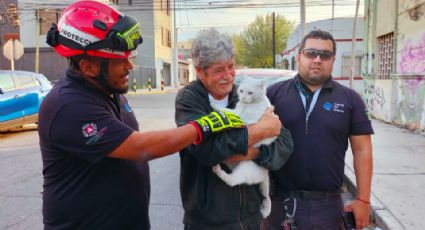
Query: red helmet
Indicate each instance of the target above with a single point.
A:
(96, 29)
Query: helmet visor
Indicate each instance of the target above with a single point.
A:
(126, 34)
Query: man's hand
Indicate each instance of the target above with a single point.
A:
(214, 122)
(270, 123)
(361, 212)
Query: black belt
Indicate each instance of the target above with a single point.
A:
(313, 194)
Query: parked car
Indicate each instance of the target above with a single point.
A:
(21, 94)
(271, 75)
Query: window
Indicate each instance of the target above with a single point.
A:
(47, 17)
(385, 52)
(166, 37)
(346, 66)
(23, 81)
(165, 6)
(6, 82)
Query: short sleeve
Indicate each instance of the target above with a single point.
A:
(88, 130)
(360, 123)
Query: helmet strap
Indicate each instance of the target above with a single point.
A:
(103, 76)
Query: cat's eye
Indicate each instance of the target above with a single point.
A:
(241, 91)
(249, 93)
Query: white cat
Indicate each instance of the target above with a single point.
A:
(251, 106)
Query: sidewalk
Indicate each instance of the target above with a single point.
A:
(398, 184)
(167, 89)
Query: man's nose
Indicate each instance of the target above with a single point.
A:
(317, 59)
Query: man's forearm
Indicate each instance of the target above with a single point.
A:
(363, 166)
(363, 170)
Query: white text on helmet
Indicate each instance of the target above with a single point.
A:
(76, 35)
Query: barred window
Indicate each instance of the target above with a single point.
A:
(385, 52)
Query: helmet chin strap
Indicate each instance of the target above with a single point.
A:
(103, 76)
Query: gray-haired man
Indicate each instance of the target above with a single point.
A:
(208, 202)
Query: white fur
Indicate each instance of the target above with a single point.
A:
(252, 104)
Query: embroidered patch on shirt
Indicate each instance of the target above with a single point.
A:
(89, 129)
(97, 136)
(336, 107)
(339, 107)
(327, 106)
(127, 107)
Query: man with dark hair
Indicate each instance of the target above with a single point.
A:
(322, 116)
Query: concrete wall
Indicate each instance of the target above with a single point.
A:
(401, 99)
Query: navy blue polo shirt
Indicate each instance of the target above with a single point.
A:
(317, 162)
(83, 188)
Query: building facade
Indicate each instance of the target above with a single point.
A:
(394, 61)
(9, 28)
(342, 30)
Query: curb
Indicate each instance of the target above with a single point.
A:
(154, 91)
(381, 216)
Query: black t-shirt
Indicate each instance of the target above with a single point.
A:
(83, 188)
(317, 162)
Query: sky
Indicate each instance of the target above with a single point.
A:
(232, 16)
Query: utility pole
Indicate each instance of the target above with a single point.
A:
(274, 40)
(302, 20)
(353, 45)
(333, 17)
(175, 50)
(37, 45)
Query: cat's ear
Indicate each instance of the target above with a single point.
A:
(262, 82)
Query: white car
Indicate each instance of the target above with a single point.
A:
(271, 75)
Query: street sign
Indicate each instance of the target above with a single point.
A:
(13, 49)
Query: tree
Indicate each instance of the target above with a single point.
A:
(254, 44)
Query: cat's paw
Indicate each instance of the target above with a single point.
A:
(216, 168)
(266, 208)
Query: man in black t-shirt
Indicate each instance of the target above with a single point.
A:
(95, 169)
(322, 116)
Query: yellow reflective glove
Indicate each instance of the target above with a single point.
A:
(214, 122)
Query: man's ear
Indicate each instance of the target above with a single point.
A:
(198, 70)
(89, 68)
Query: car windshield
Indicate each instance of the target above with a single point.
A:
(271, 76)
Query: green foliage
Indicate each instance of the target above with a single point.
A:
(254, 44)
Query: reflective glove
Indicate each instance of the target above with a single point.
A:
(215, 122)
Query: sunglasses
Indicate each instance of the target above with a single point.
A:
(312, 54)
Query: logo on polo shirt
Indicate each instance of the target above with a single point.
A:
(336, 107)
(327, 106)
(127, 107)
(89, 129)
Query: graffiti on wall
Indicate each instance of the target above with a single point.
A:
(373, 96)
(410, 100)
(412, 55)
